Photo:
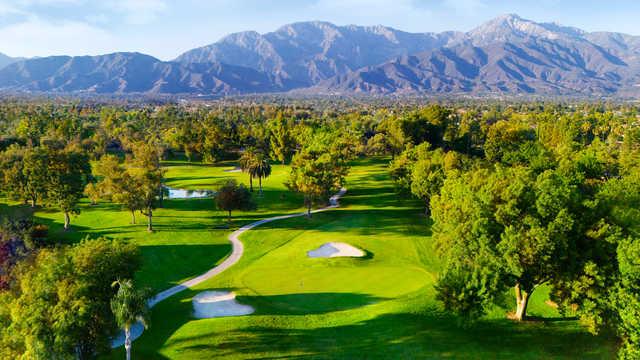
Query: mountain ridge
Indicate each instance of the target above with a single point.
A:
(507, 55)
(7, 60)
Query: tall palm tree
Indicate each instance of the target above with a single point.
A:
(261, 169)
(129, 306)
(247, 162)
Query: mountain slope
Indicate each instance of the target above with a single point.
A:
(6, 60)
(303, 54)
(122, 73)
(507, 55)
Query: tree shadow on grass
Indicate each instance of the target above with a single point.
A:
(372, 222)
(307, 303)
(541, 319)
(404, 336)
(169, 315)
(15, 211)
(172, 264)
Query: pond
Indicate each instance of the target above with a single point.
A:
(171, 193)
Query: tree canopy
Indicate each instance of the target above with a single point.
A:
(232, 196)
(59, 304)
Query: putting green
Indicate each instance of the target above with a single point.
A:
(378, 284)
(288, 270)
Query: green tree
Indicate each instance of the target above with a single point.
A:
(508, 142)
(67, 176)
(116, 184)
(146, 175)
(427, 176)
(248, 161)
(280, 138)
(319, 169)
(261, 168)
(401, 167)
(394, 135)
(14, 180)
(129, 306)
(185, 134)
(233, 196)
(58, 305)
(35, 173)
(627, 298)
(509, 227)
(92, 192)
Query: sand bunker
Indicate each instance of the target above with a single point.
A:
(335, 249)
(212, 304)
(234, 170)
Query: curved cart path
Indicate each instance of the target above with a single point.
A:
(236, 254)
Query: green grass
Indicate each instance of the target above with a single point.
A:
(190, 237)
(380, 306)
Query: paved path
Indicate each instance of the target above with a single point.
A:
(236, 254)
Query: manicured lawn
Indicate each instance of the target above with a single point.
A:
(380, 306)
(190, 235)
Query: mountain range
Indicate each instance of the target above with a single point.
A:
(508, 55)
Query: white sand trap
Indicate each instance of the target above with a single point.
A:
(335, 249)
(234, 170)
(212, 304)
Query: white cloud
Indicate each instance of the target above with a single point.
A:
(468, 7)
(49, 2)
(100, 19)
(138, 12)
(7, 8)
(38, 37)
(23, 7)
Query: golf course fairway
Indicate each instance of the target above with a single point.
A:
(381, 305)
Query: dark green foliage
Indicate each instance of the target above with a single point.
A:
(67, 176)
(233, 196)
(627, 297)
(59, 306)
(319, 169)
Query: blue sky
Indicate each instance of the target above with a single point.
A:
(165, 28)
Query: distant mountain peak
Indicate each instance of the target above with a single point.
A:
(300, 28)
(512, 27)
